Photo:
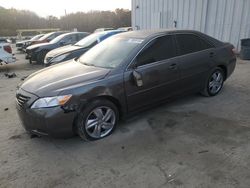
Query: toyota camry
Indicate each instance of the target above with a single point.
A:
(120, 76)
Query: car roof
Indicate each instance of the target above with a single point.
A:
(148, 34)
(143, 34)
(72, 33)
(51, 33)
(110, 31)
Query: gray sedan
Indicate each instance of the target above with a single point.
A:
(121, 76)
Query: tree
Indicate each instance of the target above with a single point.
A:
(13, 19)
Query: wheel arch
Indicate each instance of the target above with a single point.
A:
(114, 100)
(224, 68)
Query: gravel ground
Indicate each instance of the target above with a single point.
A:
(191, 142)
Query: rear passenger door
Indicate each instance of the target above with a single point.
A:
(157, 66)
(195, 58)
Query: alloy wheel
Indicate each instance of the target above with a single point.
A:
(100, 122)
(216, 82)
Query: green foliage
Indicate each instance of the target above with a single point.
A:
(12, 19)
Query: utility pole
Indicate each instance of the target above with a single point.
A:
(67, 23)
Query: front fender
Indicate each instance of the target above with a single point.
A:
(110, 88)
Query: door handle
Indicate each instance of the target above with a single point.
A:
(211, 54)
(173, 66)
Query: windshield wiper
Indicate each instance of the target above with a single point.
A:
(87, 64)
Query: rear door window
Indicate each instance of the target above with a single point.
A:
(189, 43)
(159, 49)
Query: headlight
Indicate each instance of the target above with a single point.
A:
(51, 101)
(27, 43)
(59, 58)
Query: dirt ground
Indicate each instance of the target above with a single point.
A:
(191, 142)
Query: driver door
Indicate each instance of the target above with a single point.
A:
(154, 74)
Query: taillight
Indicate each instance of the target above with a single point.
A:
(234, 51)
(7, 49)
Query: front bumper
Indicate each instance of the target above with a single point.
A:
(32, 55)
(53, 121)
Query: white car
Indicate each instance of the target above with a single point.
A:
(6, 55)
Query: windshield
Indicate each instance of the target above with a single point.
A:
(89, 40)
(110, 53)
(45, 36)
(36, 37)
(57, 39)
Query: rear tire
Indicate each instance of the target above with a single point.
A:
(214, 83)
(97, 120)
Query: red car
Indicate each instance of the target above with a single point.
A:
(48, 37)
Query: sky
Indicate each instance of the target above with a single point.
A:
(57, 7)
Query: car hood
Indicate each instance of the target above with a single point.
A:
(63, 50)
(38, 45)
(55, 79)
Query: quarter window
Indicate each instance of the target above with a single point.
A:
(189, 43)
(159, 49)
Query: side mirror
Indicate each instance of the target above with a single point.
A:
(137, 78)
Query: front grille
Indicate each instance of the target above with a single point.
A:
(21, 99)
(19, 45)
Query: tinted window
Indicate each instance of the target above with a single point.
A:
(189, 43)
(158, 50)
(69, 39)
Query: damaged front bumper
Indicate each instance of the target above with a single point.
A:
(54, 121)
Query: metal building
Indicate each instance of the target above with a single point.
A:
(226, 20)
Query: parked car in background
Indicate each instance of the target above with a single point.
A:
(103, 29)
(38, 52)
(120, 76)
(47, 37)
(23, 44)
(6, 55)
(75, 51)
(125, 29)
(4, 40)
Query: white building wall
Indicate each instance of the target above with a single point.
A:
(226, 20)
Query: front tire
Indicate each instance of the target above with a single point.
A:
(41, 56)
(97, 120)
(214, 83)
